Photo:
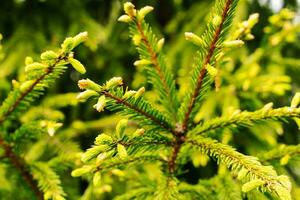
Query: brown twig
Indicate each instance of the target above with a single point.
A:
(140, 111)
(206, 61)
(25, 93)
(180, 137)
(155, 63)
(20, 165)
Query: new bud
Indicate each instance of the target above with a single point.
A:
(129, 94)
(125, 19)
(122, 151)
(97, 178)
(28, 60)
(35, 66)
(139, 93)
(77, 65)
(144, 11)
(113, 82)
(83, 96)
(81, 171)
(233, 43)
(217, 20)
(296, 100)
(142, 62)
(68, 44)
(189, 36)
(129, 9)
(252, 185)
(102, 139)
(160, 44)
(79, 38)
(211, 70)
(88, 84)
(100, 104)
(49, 55)
(26, 85)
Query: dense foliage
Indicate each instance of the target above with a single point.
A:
(213, 113)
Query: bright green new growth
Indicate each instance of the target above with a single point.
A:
(168, 137)
(39, 176)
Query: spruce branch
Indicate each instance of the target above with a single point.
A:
(245, 119)
(129, 103)
(201, 71)
(149, 48)
(283, 153)
(40, 75)
(20, 165)
(248, 167)
(114, 163)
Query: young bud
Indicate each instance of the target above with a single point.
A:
(252, 185)
(144, 11)
(101, 157)
(138, 132)
(219, 56)
(160, 44)
(103, 139)
(68, 44)
(81, 171)
(83, 96)
(26, 85)
(35, 66)
(88, 84)
(142, 62)
(125, 19)
(79, 38)
(217, 20)
(77, 65)
(211, 70)
(100, 104)
(296, 100)
(253, 19)
(249, 36)
(122, 151)
(120, 128)
(97, 178)
(113, 82)
(28, 60)
(118, 172)
(129, 9)
(93, 152)
(15, 84)
(189, 36)
(137, 38)
(233, 43)
(285, 159)
(139, 93)
(129, 94)
(49, 55)
(268, 106)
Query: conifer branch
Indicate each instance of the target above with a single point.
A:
(283, 152)
(207, 60)
(20, 165)
(118, 162)
(150, 52)
(248, 167)
(22, 95)
(245, 119)
(155, 62)
(40, 75)
(153, 118)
